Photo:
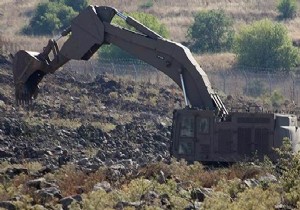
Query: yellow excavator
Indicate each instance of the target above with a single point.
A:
(202, 131)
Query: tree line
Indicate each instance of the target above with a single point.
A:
(263, 43)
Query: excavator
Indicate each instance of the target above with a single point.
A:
(202, 131)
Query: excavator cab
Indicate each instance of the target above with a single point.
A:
(192, 134)
(198, 135)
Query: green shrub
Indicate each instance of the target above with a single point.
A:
(49, 18)
(148, 4)
(77, 5)
(112, 52)
(288, 170)
(265, 44)
(255, 88)
(276, 99)
(53, 16)
(287, 8)
(211, 31)
(234, 195)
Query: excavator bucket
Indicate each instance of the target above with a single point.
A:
(27, 73)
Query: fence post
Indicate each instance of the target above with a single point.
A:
(224, 81)
(246, 78)
(293, 87)
(270, 83)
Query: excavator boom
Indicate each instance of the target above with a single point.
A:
(90, 30)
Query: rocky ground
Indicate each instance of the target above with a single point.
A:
(99, 122)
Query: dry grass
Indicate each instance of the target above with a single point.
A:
(190, 175)
(221, 61)
(106, 127)
(71, 181)
(15, 13)
(177, 15)
(33, 121)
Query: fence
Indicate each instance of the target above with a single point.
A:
(237, 81)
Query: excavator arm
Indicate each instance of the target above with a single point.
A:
(90, 30)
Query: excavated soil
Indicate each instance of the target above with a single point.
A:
(104, 120)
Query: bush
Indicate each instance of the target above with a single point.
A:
(148, 4)
(265, 44)
(255, 88)
(276, 99)
(211, 31)
(109, 52)
(49, 18)
(287, 8)
(77, 5)
(53, 16)
(288, 171)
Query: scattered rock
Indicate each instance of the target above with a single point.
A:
(268, 178)
(165, 201)
(65, 202)
(4, 153)
(4, 60)
(101, 154)
(195, 206)
(7, 205)
(12, 172)
(64, 158)
(283, 207)
(197, 194)
(39, 183)
(123, 204)
(2, 104)
(103, 186)
(83, 162)
(47, 169)
(149, 197)
(251, 183)
(48, 194)
(161, 177)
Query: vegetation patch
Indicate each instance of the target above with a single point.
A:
(212, 31)
(52, 16)
(265, 44)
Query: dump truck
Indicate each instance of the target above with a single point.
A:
(204, 130)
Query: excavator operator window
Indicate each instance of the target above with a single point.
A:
(202, 125)
(186, 133)
(187, 126)
(185, 148)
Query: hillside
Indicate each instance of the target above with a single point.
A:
(177, 15)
